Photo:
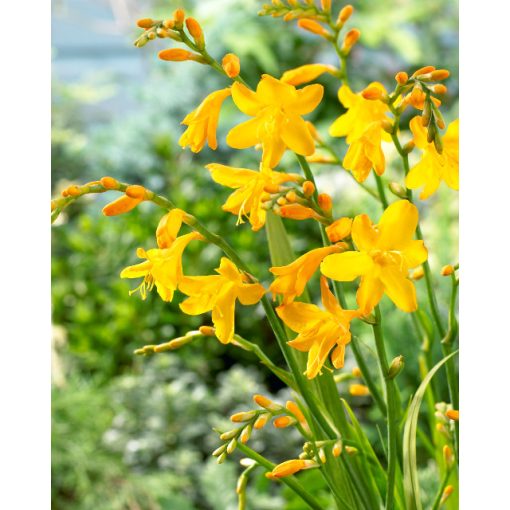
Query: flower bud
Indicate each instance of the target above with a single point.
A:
(337, 449)
(207, 330)
(356, 372)
(178, 55)
(296, 212)
(401, 78)
(418, 273)
(294, 409)
(226, 436)
(396, 366)
(439, 74)
(245, 434)
(281, 201)
(423, 70)
(308, 188)
(169, 24)
(291, 196)
(196, 32)
(439, 88)
(359, 390)
(179, 16)
(448, 455)
(325, 202)
(446, 493)
(219, 450)
(135, 191)
(243, 416)
(339, 229)
(326, 5)
(408, 147)
(122, 205)
(387, 125)
(351, 450)
(452, 414)
(350, 39)
(266, 403)
(222, 458)
(231, 446)
(322, 455)
(284, 421)
(344, 15)
(145, 23)
(397, 189)
(289, 467)
(447, 270)
(261, 421)
(314, 27)
(373, 94)
(109, 183)
(231, 65)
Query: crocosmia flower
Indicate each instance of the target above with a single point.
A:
(434, 167)
(162, 266)
(219, 294)
(361, 124)
(319, 330)
(276, 108)
(203, 122)
(386, 253)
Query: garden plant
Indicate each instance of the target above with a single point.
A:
(360, 277)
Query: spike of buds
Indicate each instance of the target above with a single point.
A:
(313, 27)
(401, 78)
(231, 65)
(359, 390)
(196, 32)
(350, 39)
(344, 14)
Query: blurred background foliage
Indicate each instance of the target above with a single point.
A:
(132, 433)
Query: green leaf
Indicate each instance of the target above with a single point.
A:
(279, 245)
(411, 485)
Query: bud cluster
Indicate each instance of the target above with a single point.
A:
(172, 345)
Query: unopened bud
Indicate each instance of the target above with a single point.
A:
(135, 191)
(397, 189)
(231, 446)
(281, 201)
(231, 65)
(359, 390)
(226, 436)
(179, 55)
(396, 366)
(219, 450)
(73, 191)
(418, 273)
(196, 32)
(291, 196)
(308, 188)
(145, 23)
(387, 125)
(326, 5)
(427, 113)
(179, 16)
(109, 183)
(296, 212)
(337, 449)
(401, 78)
(356, 372)
(169, 24)
(350, 39)
(447, 270)
(439, 88)
(290, 467)
(243, 416)
(344, 15)
(122, 205)
(222, 458)
(261, 421)
(351, 450)
(438, 142)
(325, 202)
(207, 330)
(294, 409)
(408, 147)
(322, 455)
(446, 493)
(314, 27)
(373, 93)
(266, 403)
(284, 421)
(423, 70)
(439, 74)
(271, 188)
(339, 229)
(452, 414)
(448, 455)
(245, 434)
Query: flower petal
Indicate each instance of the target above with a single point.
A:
(369, 294)
(244, 135)
(231, 176)
(415, 254)
(397, 225)
(300, 316)
(346, 266)
(250, 293)
(296, 135)
(245, 99)
(223, 314)
(399, 288)
(308, 98)
(364, 233)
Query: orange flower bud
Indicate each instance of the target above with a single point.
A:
(446, 493)
(245, 434)
(289, 467)
(64, 193)
(350, 39)
(271, 188)
(452, 414)
(418, 273)
(448, 455)
(207, 330)
(243, 416)
(296, 212)
(326, 5)
(109, 183)
(439, 88)
(135, 191)
(356, 372)
(339, 229)
(325, 202)
(439, 74)
(314, 27)
(179, 16)
(261, 421)
(423, 70)
(372, 93)
(145, 23)
(284, 421)
(291, 196)
(344, 14)
(351, 450)
(176, 55)
(447, 270)
(401, 78)
(281, 201)
(266, 403)
(195, 31)
(122, 205)
(169, 23)
(231, 65)
(359, 390)
(73, 191)
(294, 409)
(308, 188)
(337, 449)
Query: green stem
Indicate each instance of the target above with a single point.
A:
(290, 481)
(391, 415)
(439, 495)
(380, 189)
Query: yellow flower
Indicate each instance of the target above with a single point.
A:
(434, 167)
(306, 73)
(203, 121)
(219, 293)
(163, 265)
(361, 124)
(277, 124)
(249, 185)
(291, 279)
(385, 254)
(319, 330)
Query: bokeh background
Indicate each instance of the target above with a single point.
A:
(136, 433)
